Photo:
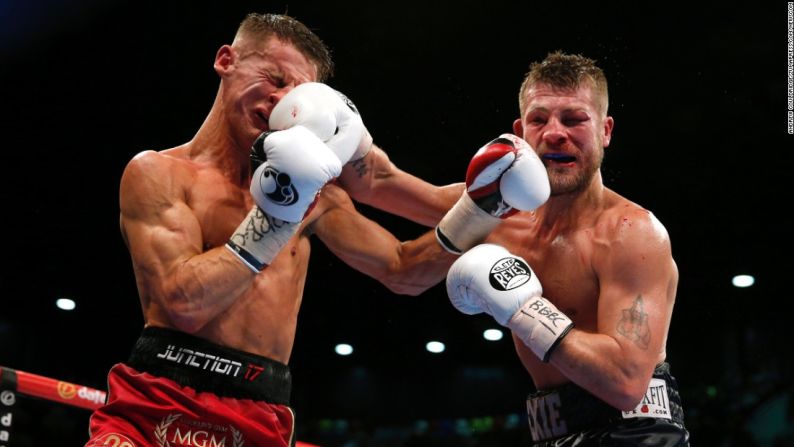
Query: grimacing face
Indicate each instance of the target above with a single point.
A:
(254, 79)
(568, 131)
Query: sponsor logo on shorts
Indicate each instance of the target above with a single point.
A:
(173, 431)
(655, 404)
(201, 360)
(112, 440)
(509, 273)
(544, 417)
(208, 362)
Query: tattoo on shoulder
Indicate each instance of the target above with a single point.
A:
(634, 324)
(361, 167)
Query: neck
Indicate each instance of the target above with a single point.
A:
(214, 144)
(566, 209)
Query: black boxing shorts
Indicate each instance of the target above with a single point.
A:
(570, 416)
(181, 390)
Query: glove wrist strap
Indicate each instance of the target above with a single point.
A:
(464, 226)
(540, 326)
(364, 146)
(259, 238)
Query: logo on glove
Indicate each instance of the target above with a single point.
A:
(509, 273)
(280, 187)
(348, 102)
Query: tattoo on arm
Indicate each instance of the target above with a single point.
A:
(360, 167)
(634, 324)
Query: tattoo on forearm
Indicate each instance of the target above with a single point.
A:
(361, 167)
(634, 324)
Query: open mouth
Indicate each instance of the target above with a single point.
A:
(559, 158)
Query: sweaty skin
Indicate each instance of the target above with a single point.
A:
(179, 207)
(602, 260)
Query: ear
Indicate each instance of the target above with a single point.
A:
(518, 128)
(609, 123)
(224, 60)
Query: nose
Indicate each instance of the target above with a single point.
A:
(554, 132)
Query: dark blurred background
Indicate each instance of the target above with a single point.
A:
(698, 93)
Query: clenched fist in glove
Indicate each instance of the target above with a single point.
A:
(290, 168)
(490, 279)
(327, 113)
(503, 177)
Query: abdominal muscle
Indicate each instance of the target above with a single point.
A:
(263, 320)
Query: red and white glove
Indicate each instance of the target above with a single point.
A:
(329, 114)
(296, 165)
(504, 176)
(490, 279)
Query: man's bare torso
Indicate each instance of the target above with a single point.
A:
(565, 258)
(263, 319)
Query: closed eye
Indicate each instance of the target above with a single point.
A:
(276, 79)
(570, 122)
(279, 83)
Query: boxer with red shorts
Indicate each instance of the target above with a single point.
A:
(219, 232)
(178, 389)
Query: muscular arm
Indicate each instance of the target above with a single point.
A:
(175, 278)
(376, 181)
(638, 279)
(404, 267)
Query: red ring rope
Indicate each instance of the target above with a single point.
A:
(59, 391)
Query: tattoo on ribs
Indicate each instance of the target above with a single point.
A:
(634, 324)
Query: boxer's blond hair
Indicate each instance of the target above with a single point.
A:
(257, 28)
(566, 72)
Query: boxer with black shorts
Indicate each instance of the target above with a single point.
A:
(219, 230)
(586, 283)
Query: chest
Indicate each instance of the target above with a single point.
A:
(563, 263)
(218, 205)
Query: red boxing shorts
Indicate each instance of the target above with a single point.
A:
(180, 390)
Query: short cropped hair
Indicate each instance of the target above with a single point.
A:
(566, 72)
(290, 30)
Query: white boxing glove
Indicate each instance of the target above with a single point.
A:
(489, 279)
(504, 176)
(327, 113)
(295, 166)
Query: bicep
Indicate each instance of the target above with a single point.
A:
(638, 278)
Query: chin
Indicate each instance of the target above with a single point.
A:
(565, 186)
(254, 134)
